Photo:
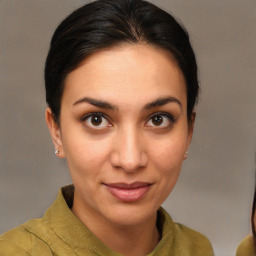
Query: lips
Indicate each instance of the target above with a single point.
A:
(128, 192)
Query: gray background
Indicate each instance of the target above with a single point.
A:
(216, 186)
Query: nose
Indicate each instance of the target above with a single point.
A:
(128, 152)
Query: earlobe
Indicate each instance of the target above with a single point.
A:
(55, 133)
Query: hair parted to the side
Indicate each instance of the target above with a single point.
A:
(107, 23)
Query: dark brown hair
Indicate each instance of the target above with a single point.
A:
(106, 23)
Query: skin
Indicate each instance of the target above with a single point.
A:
(127, 144)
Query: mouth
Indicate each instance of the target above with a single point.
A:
(128, 192)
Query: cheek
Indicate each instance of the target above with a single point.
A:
(168, 155)
(168, 163)
(84, 155)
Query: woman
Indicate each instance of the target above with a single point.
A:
(121, 86)
(248, 244)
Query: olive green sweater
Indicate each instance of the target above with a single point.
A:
(60, 233)
(246, 248)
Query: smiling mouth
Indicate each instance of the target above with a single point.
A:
(128, 192)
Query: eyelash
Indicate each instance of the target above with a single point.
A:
(92, 114)
(163, 114)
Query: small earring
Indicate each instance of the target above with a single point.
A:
(57, 152)
(186, 154)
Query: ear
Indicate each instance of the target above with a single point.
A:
(55, 132)
(190, 132)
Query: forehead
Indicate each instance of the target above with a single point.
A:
(125, 74)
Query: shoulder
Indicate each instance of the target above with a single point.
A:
(186, 241)
(20, 241)
(245, 248)
(197, 243)
(190, 234)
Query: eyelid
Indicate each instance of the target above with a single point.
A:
(86, 116)
(170, 116)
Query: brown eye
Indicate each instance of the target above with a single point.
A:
(96, 120)
(157, 120)
(160, 120)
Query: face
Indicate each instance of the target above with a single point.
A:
(124, 132)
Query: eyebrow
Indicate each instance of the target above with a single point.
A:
(97, 103)
(106, 105)
(162, 101)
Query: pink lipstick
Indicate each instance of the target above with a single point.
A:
(128, 192)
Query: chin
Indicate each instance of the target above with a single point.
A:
(130, 215)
